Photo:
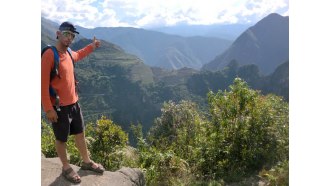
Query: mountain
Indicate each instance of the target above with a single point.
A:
(157, 49)
(230, 31)
(172, 77)
(120, 86)
(278, 82)
(265, 44)
(275, 83)
(48, 32)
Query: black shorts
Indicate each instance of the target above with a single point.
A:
(70, 122)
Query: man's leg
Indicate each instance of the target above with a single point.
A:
(77, 128)
(82, 147)
(61, 153)
(61, 131)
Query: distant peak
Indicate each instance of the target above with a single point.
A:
(273, 16)
(271, 19)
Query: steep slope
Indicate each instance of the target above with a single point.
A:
(109, 56)
(162, 50)
(278, 82)
(48, 32)
(265, 44)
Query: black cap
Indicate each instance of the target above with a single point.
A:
(68, 26)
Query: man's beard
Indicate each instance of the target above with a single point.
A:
(66, 43)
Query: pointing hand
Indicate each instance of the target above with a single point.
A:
(96, 43)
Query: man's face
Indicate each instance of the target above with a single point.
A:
(66, 37)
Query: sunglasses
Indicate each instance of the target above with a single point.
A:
(68, 34)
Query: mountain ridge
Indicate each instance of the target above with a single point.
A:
(158, 49)
(222, 31)
(265, 44)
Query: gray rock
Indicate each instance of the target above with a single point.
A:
(51, 169)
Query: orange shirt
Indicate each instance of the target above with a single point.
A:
(65, 85)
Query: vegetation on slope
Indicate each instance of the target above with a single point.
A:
(243, 134)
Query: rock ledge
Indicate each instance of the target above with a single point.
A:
(51, 175)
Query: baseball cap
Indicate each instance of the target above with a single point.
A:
(68, 26)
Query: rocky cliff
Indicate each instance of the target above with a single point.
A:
(51, 175)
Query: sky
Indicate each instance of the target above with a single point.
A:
(159, 13)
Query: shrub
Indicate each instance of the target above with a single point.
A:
(277, 175)
(47, 140)
(250, 131)
(162, 166)
(105, 141)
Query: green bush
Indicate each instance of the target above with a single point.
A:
(179, 128)
(47, 140)
(249, 132)
(277, 175)
(244, 133)
(105, 141)
(161, 166)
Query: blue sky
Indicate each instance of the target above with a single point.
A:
(156, 13)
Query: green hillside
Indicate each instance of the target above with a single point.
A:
(241, 139)
(120, 86)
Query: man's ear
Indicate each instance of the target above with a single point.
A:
(57, 34)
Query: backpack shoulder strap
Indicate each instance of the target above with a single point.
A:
(54, 71)
(44, 49)
(73, 63)
(56, 62)
(70, 53)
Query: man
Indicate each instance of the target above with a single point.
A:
(67, 118)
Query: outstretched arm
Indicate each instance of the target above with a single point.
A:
(80, 54)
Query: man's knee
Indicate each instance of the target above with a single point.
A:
(60, 143)
(80, 136)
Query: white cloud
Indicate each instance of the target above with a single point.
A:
(262, 8)
(78, 11)
(286, 13)
(148, 13)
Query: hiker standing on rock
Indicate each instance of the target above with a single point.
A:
(59, 97)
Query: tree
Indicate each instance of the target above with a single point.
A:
(250, 131)
(105, 140)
